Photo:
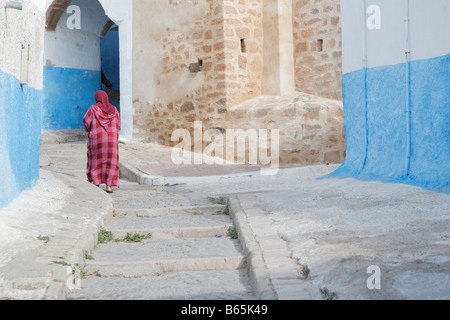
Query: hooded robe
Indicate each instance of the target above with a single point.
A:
(102, 122)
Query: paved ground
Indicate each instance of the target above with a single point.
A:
(288, 224)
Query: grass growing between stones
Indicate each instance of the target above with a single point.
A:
(105, 236)
(225, 211)
(232, 233)
(327, 294)
(135, 237)
(46, 239)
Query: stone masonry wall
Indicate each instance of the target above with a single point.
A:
(170, 91)
(226, 36)
(166, 94)
(243, 34)
(318, 47)
(310, 128)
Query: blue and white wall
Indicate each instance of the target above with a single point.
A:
(20, 97)
(72, 66)
(396, 89)
(72, 63)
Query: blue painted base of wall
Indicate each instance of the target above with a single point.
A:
(68, 94)
(378, 149)
(20, 134)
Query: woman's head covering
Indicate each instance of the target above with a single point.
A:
(104, 111)
(102, 100)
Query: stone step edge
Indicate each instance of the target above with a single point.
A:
(160, 212)
(178, 233)
(137, 269)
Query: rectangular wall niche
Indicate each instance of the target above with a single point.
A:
(243, 47)
(320, 45)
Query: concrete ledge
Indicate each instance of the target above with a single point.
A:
(128, 172)
(259, 275)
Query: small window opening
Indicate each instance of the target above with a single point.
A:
(320, 45)
(243, 48)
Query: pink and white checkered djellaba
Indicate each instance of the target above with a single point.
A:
(103, 146)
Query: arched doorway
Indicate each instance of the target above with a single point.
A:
(73, 60)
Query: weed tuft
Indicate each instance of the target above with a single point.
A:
(44, 238)
(232, 233)
(136, 237)
(327, 294)
(104, 236)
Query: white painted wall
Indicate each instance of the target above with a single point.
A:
(77, 48)
(18, 27)
(121, 12)
(429, 26)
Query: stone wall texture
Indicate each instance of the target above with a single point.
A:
(310, 128)
(226, 38)
(318, 47)
(207, 61)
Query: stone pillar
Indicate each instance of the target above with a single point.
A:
(279, 71)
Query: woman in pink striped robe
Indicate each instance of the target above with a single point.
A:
(102, 122)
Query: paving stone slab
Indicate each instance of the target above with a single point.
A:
(151, 250)
(182, 226)
(202, 285)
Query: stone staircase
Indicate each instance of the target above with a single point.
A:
(180, 252)
(164, 242)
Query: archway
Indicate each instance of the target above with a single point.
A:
(72, 60)
(54, 12)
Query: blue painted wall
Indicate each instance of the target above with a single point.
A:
(378, 149)
(20, 133)
(111, 61)
(111, 58)
(68, 94)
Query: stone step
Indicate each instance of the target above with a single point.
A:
(176, 226)
(65, 159)
(133, 269)
(156, 198)
(179, 232)
(199, 285)
(156, 257)
(64, 168)
(161, 212)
